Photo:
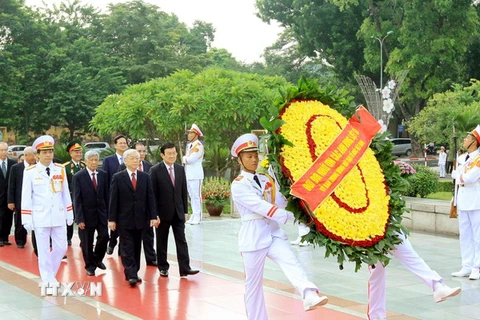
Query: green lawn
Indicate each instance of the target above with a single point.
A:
(444, 195)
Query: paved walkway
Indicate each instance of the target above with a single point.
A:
(217, 293)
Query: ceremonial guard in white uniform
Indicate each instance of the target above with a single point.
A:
(467, 200)
(46, 207)
(408, 257)
(194, 171)
(260, 205)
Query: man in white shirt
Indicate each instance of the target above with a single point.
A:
(46, 206)
(193, 169)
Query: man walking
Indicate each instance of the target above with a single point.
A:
(6, 214)
(131, 211)
(90, 198)
(110, 166)
(71, 168)
(46, 206)
(149, 251)
(194, 171)
(15, 182)
(170, 189)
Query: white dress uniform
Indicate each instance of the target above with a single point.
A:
(468, 207)
(260, 236)
(194, 172)
(46, 206)
(408, 257)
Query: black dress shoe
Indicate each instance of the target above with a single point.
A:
(7, 243)
(109, 250)
(90, 273)
(163, 273)
(152, 263)
(69, 242)
(188, 273)
(101, 265)
(20, 246)
(139, 280)
(132, 282)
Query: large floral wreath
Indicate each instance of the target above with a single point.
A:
(360, 221)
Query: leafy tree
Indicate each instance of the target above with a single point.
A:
(285, 58)
(223, 103)
(430, 39)
(150, 43)
(82, 74)
(458, 107)
(23, 50)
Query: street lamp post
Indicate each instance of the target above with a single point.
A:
(380, 40)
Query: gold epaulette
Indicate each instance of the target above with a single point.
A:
(60, 165)
(64, 164)
(238, 178)
(31, 167)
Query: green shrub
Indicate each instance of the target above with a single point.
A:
(445, 186)
(423, 182)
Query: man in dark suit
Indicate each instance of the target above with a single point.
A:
(110, 166)
(6, 214)
(14, 197)
(170, 189)
(90, 196)
(131, 211)
(73, 166)
(148, 250)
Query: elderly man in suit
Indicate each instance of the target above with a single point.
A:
(110, 166)
(6, 214)
(194, 171)
(90, 200)
(170, 189)
(15, 194)
(131, 211)
(144, 165)
(46, 206)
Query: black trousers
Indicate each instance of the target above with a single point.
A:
(131, 250)
(148, 249)
(20, 232)
(178, 228)
(113, 239)
(86, 236)
(449, 167)
(6, 220)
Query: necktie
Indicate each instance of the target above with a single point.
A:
(255, 177)
(94, 181)
(140, 166)
(466, 158)
(134, 181)
(121, 160)
(48, 171)
(171, 175)
(4, 169)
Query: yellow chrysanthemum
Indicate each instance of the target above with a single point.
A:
(357, 211)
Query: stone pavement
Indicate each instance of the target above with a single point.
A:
(217, 293)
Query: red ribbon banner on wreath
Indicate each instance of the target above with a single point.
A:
(321, 179)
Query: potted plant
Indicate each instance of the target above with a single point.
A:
(215, 193)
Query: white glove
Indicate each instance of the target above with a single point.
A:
(69, 222)
(28, 227)
(290, 215)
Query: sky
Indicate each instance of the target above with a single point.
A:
(238, 29)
